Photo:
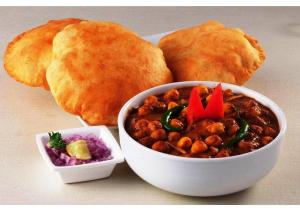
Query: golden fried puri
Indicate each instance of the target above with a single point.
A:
(98, 66)
(29, 54)
(212, 52)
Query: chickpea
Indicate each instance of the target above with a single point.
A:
(183, 113)
(223, 153)
(139, 134)
(208, 98)
(250, 103)
(213, 140)
(151, 100)
(252, 135)
(202, 89)
(176, 123)
(213, 150)
(216, 128)
(200, 126)
(228, 108)
(260, 120)
(141, 124)
(160, 107)
(257, 129)
(171, 95)
(146, 141)
(247, 146)
(255, 111)
(227, 93)
(233, 129)
(161, 146)
(172, 104)
(184, 143)
(193, 135)
(198, 147)
(159, 134)
(183, 101)
(231, 126)
(154, 125)
(144, 110)
(269, 131)
(244, 146)
(173, 136)
(266, 139)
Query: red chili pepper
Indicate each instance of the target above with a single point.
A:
(195, 108)
(214, 108)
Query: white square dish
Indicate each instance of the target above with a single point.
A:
(89, 171)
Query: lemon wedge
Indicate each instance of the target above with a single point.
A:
(79, 149)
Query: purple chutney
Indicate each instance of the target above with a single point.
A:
(96, 147)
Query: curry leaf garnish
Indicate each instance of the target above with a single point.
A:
(243, 131)
(241, 134)
(56, 141)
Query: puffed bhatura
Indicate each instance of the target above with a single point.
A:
(28, 56)
(98, 66)
(212, 52)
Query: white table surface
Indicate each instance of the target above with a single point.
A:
(25, 111)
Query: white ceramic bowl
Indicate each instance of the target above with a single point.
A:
(196, 176)
(84, 172)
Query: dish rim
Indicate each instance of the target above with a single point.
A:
(155, 90)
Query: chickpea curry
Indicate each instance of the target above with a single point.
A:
(202, 122)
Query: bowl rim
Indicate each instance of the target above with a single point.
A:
(156, 90)
(118, 156)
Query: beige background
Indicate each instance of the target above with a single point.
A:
(25, 111)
